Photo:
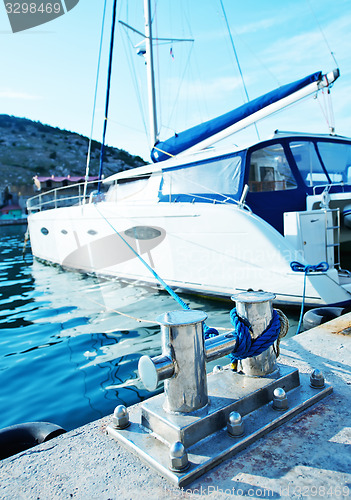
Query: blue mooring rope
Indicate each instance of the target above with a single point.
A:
(298, 267)
(208, 332)
(246, 346)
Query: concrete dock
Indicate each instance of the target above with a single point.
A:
(307, 457)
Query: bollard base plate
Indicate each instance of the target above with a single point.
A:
(204, 434)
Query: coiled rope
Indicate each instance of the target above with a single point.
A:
(298, 267)
(246, 346)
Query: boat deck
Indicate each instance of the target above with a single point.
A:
(308, 457)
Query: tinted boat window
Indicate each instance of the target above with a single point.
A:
(308, 163)
(336, 158)
(270, 170)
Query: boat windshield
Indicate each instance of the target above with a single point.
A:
(216, 179)
(270, 170)
(323, 162)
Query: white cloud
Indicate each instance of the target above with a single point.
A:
(13, 94)
(310, 47)
(214, 86)
(263, 24)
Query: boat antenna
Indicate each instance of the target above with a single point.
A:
(237, 60)
(107, 92)
(94, 106)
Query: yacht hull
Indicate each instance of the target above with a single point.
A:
(211, 249)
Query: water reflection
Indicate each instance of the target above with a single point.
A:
(70, 344)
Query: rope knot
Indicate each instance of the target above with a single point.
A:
(248, 347)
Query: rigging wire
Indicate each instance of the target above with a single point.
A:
(154, 19)
(323, 34)
(171, 107)
(94, 104)
(328, 111)
(135, 79)
(237, 60)
(331, 112)
(187, 64)
(109, 72)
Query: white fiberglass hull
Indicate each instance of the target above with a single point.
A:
(203, 248)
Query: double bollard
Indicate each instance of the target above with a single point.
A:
(182, 364)
(200, 421)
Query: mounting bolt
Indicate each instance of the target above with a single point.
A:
(235, 424)
(120, 419)
(178, 457)
(280, 401)
(317, 379)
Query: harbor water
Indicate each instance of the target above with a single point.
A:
(70, 344)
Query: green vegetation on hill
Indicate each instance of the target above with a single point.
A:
(29, 148)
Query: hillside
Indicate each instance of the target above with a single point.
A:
(29, 148)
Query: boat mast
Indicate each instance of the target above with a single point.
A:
(150, 71)
(109, 73)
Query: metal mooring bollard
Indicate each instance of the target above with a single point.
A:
(182, 363)
(257, 308)
(200, 421)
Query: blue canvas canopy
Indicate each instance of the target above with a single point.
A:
(185, 140)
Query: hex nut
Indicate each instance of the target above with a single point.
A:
(178, 457)
(317, 379)
(235, 425)
(280, 401)
(120, 419)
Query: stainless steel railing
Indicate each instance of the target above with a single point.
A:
(64, 196)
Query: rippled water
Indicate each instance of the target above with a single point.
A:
(70, 344)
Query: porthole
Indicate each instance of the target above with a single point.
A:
(92, 232)
(63, 231)
(143, 233)
(44, 230)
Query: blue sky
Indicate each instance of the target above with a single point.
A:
(49, 72)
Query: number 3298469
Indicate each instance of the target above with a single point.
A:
(33, 8)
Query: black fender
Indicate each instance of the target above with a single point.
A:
(319, 315)
(20, 437)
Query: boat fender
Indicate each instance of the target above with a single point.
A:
(319, 315)
(20, 437)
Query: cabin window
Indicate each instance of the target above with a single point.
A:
(336, 158)
(270, 170)
(216, 179)
(308, 163)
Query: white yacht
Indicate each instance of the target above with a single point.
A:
(271, 216)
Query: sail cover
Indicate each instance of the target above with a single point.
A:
(185, 140)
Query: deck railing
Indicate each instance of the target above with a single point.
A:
(64, 196)
(327, 187)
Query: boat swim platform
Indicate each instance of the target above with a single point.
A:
(307, 457)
